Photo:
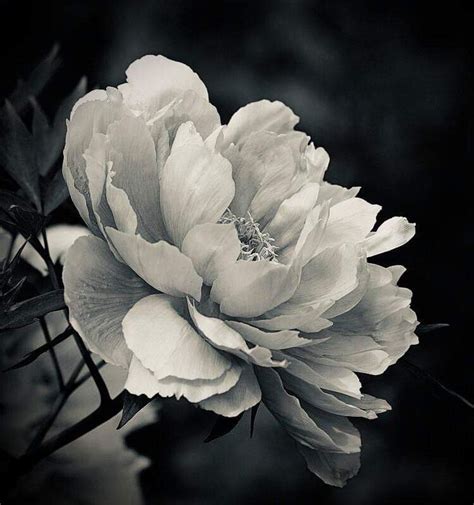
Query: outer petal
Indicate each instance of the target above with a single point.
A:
(250, 288)
(153, 81)
(140, 381)
(224, 338)
(196, 188)
(390, 234)
(99, 291)
(162, 265)
(212, 248)
(259, 116)
(243, 396)
(165, 343)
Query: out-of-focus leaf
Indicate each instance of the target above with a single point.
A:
(56, 193)
(427, 328)
(18, 154)
(33, 355)
(36, 81)
(28, 311)
(253, 416)
(132, 404)
(222, 426)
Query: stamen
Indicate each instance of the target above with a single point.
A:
(255, 245)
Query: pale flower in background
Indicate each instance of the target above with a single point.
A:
(223, 268)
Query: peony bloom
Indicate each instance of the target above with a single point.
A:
(223, 268)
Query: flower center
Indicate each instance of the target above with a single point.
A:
(255, 245)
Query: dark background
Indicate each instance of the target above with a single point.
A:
(385, 87)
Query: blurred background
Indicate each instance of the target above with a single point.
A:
(386, 88)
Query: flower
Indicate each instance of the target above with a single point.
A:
(224, 269)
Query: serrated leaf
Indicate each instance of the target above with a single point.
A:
(28, 311)
(222, 426)
(132, 404)
(36, 81)
(56, 193)
(33, 355)
(18, 154)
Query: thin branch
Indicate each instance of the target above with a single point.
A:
(88, 375)
(52, 352)
(49, 261)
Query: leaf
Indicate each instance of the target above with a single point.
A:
(253, 416)
(28, 222)
(36, 81)
(28, 311)
(18, 154)
(428, 328)
(33, 355)
(132, 404)
(56, 193)
(41, 134)
(222, 426)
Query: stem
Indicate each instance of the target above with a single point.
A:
(49, 261)
(69, 388)
(94, 371)
(52, 353)
(102, 414)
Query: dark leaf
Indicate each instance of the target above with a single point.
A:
(7, 199)
(37, 80)
(33, 355)
(56, 193)
(253, 416)
(41, 135)
(18, 154)
(132, 404)
(28, 222)
(222, 426)
(427, 328)
(9, 297)
(28, 311)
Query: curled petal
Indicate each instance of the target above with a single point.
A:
(99, 292)
(243, 396)
(212, 248)
(390, 234)
(223, 337)
(141, 381)
(157, 332)
(196, 188)
(162, 265)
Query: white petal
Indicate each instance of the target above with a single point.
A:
(212, 248)
(390, 234)
(259, 116)
(224, 338)
(317, 162)
(269, 339)
(140, 380)
(196, 188)
(165, 343)
(243, 396)
(99, 291)
(160, 264)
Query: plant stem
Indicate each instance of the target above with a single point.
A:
(52, 353)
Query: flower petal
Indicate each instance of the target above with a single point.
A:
(270, 339)
(243, 396)
(250, 288)
(99, 291)
(196, 188)
(390, 234)
(164, 341)
(212, 248)
(259, 116)
(160, 264)
(140, 381)
(224, 338)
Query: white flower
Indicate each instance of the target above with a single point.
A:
(223, 268)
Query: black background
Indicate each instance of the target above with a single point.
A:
(385, 87)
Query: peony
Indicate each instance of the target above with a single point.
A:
(223, 268)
